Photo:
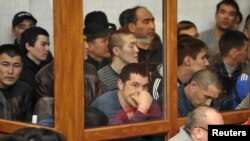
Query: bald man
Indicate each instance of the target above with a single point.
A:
(196, 127)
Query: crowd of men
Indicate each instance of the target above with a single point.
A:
(124, 69)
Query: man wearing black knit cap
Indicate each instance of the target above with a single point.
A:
(97, 30)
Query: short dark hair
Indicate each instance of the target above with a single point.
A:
(184, 25)
(228, 2)
(205, 78)
(188, 46)
(11, 50)
(39, 134)
(126, 17)
(231, 39)
(30, 36)
(131, 68)
(11, 137)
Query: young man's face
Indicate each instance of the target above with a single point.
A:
(21, 27)
(128, 53)
(10, 69)
(225, 17)
(200, 62)
(40, 50)
(134, 86)
(144, 28)
(98, 48)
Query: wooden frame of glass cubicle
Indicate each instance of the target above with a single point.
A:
(68, 82)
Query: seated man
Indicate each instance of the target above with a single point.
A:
(15, 95)
(35, 42)
(197, 123)
(140, 21)
(203, 87)
(132, 101)
(192, 56)
(123, 49)
(242, 85)
(228, 64)
(20, 22)
(97, 30)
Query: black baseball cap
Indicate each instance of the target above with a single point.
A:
(20, 16)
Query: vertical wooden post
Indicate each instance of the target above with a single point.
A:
(68, 36)
(171, 68)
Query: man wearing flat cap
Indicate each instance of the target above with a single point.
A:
(97, 30)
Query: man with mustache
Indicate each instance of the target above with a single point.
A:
(140, 21)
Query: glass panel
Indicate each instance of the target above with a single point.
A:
(18, 94)
(118, 33)
(212, 30)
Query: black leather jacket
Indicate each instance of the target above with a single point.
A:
(92, 86)
(15, 102)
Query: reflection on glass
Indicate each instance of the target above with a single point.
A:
(125, 48)
(30, 31)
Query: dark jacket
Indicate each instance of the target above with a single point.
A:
(28, 74)
(16, 103)
(153, 57)
(225, 99)
(45, 83)
(156, 85)
(45, 89)
(29, 71)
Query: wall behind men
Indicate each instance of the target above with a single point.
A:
(202, 12)
(113, 9)
(41, 9)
